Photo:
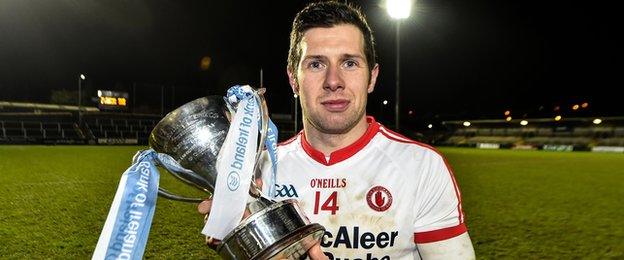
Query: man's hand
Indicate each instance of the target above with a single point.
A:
(315, 252)
(204, 209)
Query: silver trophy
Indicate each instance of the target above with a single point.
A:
(193, 135)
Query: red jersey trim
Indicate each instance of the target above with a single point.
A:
(440, 234)
(400, 138)
(344, 153)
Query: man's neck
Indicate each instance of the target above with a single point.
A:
(328, 143)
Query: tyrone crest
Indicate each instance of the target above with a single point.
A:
(379, 198)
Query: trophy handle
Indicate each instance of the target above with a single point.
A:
(167, 194)
(176, 173)
(254, 190)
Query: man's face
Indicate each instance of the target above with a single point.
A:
(332, 78)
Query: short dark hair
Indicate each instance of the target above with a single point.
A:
(328, 14)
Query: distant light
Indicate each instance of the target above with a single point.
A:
(430, 126)
(411, 112)
(575, 107)
(508, 119)
(295, 95)
(399, 9)
(597, 121)
(557, 118)
(585, 105)
(524, 122)
(82, 76)
(466, 123)
(205, 62)
(99, 93)
(507, 112)
(556, 108)
(385, 102)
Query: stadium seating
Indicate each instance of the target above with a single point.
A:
(499, 132)
(528, 131)
(504, 140)
(579, 134)
(39, 128)
(544, 132)
(104, 127)
(59, 128)
(613, 141)
(602, 132)
(484, 131)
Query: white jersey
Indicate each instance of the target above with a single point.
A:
(376, 198)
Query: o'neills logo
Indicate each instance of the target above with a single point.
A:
(328, 183)
(379, 198)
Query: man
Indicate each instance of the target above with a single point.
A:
(378, 194)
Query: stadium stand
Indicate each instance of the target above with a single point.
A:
(28, 123)
(54, 124)
(22, 128)
(100, 128)
(578, 133)
(119, 128)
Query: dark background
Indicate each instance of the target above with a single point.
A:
(459, 59)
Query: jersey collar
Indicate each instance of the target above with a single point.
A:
(344, 153)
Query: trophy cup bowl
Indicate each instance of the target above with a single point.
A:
(193, 135)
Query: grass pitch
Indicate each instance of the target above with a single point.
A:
(55, 199)
(536, 204)
(519, 204)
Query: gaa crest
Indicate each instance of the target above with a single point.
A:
(379, 198)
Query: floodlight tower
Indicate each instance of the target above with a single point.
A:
(398, 10)
(80, 79)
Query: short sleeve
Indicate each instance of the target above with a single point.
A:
(438, 210)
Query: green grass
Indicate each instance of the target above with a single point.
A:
(535, 204)
(54, 201)
(519, 204)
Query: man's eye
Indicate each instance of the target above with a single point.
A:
(350, 64)
(315, 65)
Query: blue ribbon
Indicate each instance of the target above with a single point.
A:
(271, 145)
(234, 95)
(127, 226)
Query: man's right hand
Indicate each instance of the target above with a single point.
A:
(315, 252)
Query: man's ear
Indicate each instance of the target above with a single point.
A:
(373, 78)
(293, 81)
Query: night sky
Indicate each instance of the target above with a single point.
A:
(459, 59)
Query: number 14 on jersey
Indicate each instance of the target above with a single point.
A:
(329, 204)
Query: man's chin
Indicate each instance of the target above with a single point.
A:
(334, 130)
(336, 124)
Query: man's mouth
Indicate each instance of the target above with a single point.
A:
(336, 105)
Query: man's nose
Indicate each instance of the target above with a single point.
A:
(333, 79)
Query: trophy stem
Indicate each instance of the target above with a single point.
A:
(255, 191)
(167, 194)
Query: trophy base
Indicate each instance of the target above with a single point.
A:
(297, 245)
(277, 232)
